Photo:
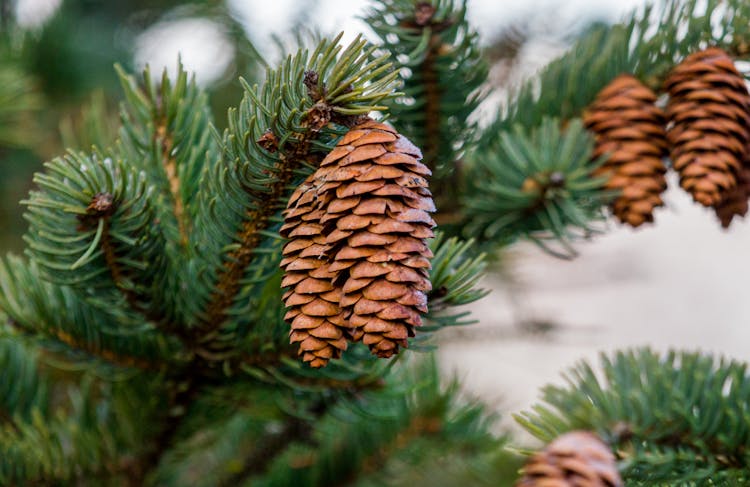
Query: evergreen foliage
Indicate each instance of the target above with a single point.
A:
(672, 419)
(142, 339)
(539, 186)
(158, 252)
(648, 45)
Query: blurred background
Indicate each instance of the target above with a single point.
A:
(676, 283)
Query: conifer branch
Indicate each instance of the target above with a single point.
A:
(670, 418)
(104, 354)
(256, 221)
(423, 20)
(98, 214)
(41, 309)
(418, 427)
(279, 133)
(442, 71)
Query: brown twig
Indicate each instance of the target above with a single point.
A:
(169, 164)
(424, 18)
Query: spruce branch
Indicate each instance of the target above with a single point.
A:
(279, 134)
(442, 71)
(672, 419)
(647, 44)
(165, 132)
(537, 185)
(93, 226)
(59, 314)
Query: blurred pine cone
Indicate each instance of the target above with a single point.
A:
(708, 110)
(575, 459)
(629, 131)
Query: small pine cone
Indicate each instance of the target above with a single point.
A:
(376, 223)
(735, 201)
(575, 459)
(312, 301)
(629, 130)
(709, 114)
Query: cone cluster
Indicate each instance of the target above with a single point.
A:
(575, 459)
(357, 263)
(709, 119)
(629, 130)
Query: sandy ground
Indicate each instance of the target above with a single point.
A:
(680, 283)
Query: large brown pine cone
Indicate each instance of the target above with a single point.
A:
(629, 131)
(575, 459)
(709, 114)
(377, 223)
(318, 323)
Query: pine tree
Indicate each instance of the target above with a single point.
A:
(199, 306)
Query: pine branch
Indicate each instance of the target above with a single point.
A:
(47, 310)
(536, 184)
(279, 134)
(673, 419)
(442, 70)
(166, 133)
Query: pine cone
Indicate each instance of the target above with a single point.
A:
(629, 130)
(376, 224)
(312, 300)
(575, 459)
(709, 118)
(735, 201)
